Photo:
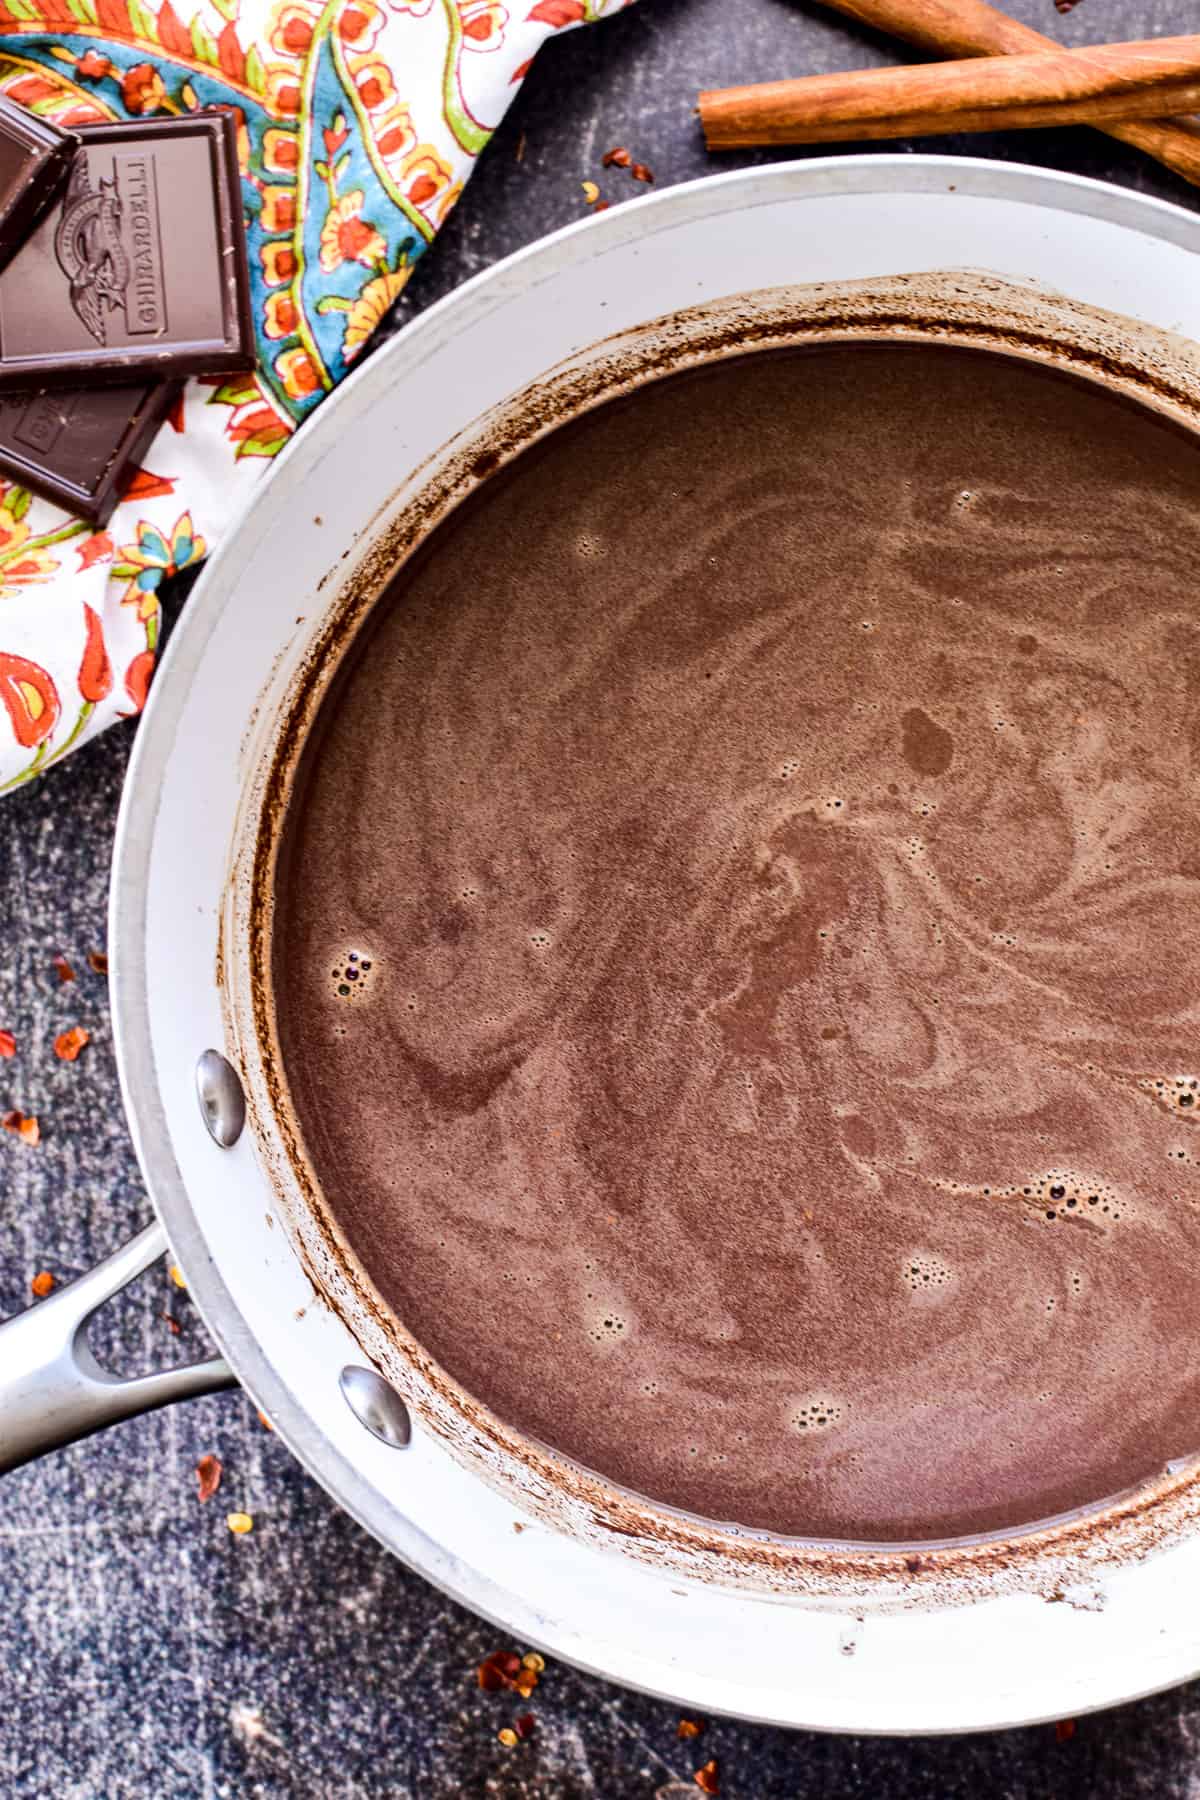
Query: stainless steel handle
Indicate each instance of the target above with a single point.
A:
(52, 1389)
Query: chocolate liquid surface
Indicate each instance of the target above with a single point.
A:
(765, 820)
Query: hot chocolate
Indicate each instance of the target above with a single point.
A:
(735, 957)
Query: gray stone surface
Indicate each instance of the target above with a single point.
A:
(144, 1652)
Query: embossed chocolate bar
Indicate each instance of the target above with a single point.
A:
(76, 446)
(35, 158)
(140, 270)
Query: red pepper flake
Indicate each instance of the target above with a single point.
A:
(208, 1474)
(1064, 1729)
(525, 1725)
(640, 172)
(171, 1324)
(602, 206)
(42, 1284)
(616, 158)
(689, 1728)
(8, 1044)
(97, 962)
(707, 1779)
(68, 1044)
(500, 1671)
(265, 1422)
(27, 1129)
(63, 968)
(1065, 6)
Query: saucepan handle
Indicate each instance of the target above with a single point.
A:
(52, 1389)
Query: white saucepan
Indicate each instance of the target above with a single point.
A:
(1076, 1614)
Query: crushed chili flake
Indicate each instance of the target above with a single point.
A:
(68, 1044)
(208, 1476)
(265, 1422)
(602, 206)
(97, 962)
(172, 1324)
(1064, 1730)
(63, 968)
(689, 1728)
(707, 1778)
(42, 1284)
(176, 1274)
(508, 1737)
(8, 1044)
(640, 172)
(532, 1660)
(499, 1670)
(521, 148)
(239, 1523)
(27, 1129)
(525, 1725)
(616, 158)
(591, 192)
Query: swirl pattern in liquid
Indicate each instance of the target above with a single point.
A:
(735, 955)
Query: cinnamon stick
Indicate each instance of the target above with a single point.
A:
(1000, 93)
(974, 28)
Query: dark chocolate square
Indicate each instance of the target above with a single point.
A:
(75, 446)
(141, 268)
(35, 159)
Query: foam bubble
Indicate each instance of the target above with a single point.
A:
(925, 1274)
(816, 1412)
(1177, 1094)
(607, 1321)
(353, 973)
(1066, 1195)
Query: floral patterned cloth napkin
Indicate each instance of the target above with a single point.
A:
(359, 121)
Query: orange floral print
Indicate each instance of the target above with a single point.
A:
(95, 670)
(281, 317)
(347, 237)
(279, 264)
(295, 369)
(142, 89)
(30, 699)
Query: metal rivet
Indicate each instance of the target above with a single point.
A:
(377, 1405)
(222, 1102)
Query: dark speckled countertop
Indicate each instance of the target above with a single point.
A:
(144, 1651)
